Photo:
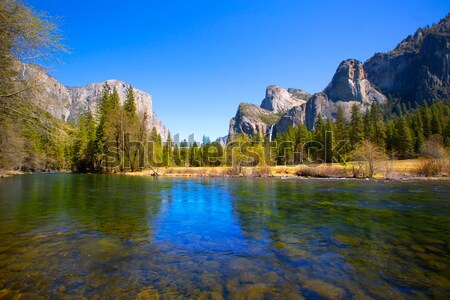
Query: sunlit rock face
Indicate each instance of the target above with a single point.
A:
(417, 69)
(69, 103)
(349, 83)
(348, 87)
(280, 100)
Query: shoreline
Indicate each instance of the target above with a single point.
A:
(391, 171)
(398, 170)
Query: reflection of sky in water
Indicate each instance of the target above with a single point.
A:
(120, 235)
(197, 216)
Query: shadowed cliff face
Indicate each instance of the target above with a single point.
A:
(69, 103)
(417, 69)
(252, 120)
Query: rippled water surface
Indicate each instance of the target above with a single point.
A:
(118, 237)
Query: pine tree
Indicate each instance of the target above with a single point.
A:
(390, 138)
(341, 136)
(446, 133)
(319, 139)
(417, 130)
(290, 140)
(302, 137)
(184, 153)
(435, 123)
(168, 152)
(356, 126)
(82, 149)
(114, 100)
(159, 150)
(194, 155)
(329, 141)
(102, 112)
(130, 103)
(403, 139)
(176, 156)
(152, 146)
(426, 118)
(378, 130)
(368, 126)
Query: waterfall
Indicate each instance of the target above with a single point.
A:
(270, 132)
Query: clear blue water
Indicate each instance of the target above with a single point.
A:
(120, 237)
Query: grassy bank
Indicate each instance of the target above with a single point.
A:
(396, 169)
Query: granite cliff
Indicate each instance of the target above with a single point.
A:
(417, 70)
(68, 103)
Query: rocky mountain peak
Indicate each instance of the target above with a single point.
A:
(251, 119)
(279, 99)
(418, 68)
(69, 103)
(413, 43)
(349, 83)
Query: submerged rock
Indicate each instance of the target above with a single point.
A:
(324, 289)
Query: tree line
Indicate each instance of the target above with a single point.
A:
(118, 140)
(399, 136)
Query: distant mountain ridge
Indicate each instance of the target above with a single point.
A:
(416, 70)
(69, 103)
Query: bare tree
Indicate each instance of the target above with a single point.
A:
(25, 36)
(367, 154)
(433, 148)
(435, 157)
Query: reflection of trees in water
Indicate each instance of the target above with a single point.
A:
(347, 233)
(93, 231)
(349, 237)
(114, 205)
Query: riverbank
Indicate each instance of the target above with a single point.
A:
(393, 170)
(9, 173)
(389, 169)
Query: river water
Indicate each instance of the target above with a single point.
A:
(125, 237)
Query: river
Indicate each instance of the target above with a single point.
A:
(126, 237)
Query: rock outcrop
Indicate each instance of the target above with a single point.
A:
(69, 103)
(348, 87)
(282, 108)
(252, 120)
(418, 68)
(294, 117)
(280, 100)
(349, 83)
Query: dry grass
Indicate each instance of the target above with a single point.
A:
(397, 169)
(433, 167)
(262, 171)
(323, 171)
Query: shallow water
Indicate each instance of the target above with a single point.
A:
(118, 237)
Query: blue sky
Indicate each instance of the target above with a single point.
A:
(200, 59)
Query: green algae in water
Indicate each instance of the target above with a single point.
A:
(118, 237)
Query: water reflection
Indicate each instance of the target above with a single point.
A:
(360, 238)
(125, 237)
